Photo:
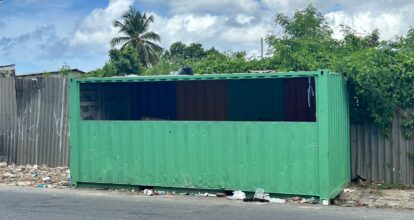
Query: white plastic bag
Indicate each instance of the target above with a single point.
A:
(277, 200)
(238, 195)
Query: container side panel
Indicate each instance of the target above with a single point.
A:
(256, 100)
(207, 155)
(339, 133)
(74, 118)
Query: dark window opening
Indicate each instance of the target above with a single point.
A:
(284, 99)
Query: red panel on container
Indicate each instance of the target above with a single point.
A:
(202, 100)
(300, 106)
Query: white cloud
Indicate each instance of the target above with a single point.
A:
(284, 6)
(244, 19)
(390, 17)
(230, 7)
(390, 24)
(198, 24)
(186, 28)
(349, 6)
(210, 30)
(96, 30)
(244, 34)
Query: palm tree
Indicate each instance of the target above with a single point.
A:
(134, 27)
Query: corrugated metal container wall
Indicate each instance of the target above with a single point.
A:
(339, 133)
(7, 120)
(334, 144)
(281, 157)
(205, 155)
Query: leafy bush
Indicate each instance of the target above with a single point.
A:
(121, 62)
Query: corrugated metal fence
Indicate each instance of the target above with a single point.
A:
(34, 129)
(379, 158)
(7, 118)
(34, 121)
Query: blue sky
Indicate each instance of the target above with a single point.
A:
(42, 35)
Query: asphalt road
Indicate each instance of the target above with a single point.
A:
(26, 203)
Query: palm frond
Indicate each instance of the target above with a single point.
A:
(143, 53)
(146, 21)
(153, 55)
(130, 14)
(152, 36)
(118, 24)
(119, 40)
(134, 26)
(154, 46)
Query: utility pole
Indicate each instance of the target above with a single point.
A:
(261, 44)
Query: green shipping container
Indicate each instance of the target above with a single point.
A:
(287, 133)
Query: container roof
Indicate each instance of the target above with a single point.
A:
(233, 76)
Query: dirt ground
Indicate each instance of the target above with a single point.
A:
(377, 195)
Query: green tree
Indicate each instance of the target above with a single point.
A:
(212, 51)
(134, 28)
(125, 61)
(213, 61)
(121, 62)
(177, 51)
(406, 43)
(307, 23)
(306, 43)
(163, 67)
(194, 51)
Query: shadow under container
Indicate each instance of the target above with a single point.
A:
(287, 133)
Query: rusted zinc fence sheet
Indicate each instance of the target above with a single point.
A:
(380, 158)
(7, 119)
(39, 120)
